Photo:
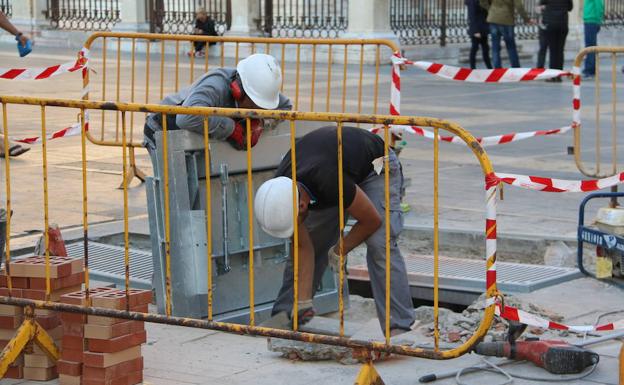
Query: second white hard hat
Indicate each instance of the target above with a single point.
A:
(273, 207)
(261, 76)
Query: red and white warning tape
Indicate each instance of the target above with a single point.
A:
(484, 141)
(559, 185)
(45, 73)
(72, 130)
(490, 233)
(514, 314)
(497, 75)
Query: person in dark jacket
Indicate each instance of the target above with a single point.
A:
(478, 30)
(204, 25)
(543, 43)
(555, 18)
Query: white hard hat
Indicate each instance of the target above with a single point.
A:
(261, 76)
(273, 207)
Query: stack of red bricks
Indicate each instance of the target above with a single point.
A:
(101, 350)
(28, 281)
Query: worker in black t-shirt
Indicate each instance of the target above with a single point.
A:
(318, 202)
(204, 25)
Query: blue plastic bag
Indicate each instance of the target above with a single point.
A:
(23, 49)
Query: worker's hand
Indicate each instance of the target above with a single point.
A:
(257, 127)
(23, 39)
(238, 138)
(334, 259)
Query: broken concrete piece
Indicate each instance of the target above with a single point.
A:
(559, 254)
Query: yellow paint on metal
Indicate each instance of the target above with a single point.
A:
(595, 171)
(436, 239)
(252, 300)
(622, 364)
(177, 65)
(7, 175)
(313, 81)
(14, 348)
(377, 79)
(368, 375)
(292, 117)
(85, 212)
(46, 218)
(208, 214)
(341, 223)
(344, 80)
(118, 91)
(167, 217)
(125, 204)
(45, 342)
(329, 76)
(297, 73)
(387, 222)
(295, 194)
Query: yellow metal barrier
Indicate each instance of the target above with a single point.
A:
(353, 63)
(595, 125)
(293, 118)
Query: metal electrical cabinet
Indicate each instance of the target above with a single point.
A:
(230, 236)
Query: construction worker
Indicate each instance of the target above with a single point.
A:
(317, 191)
(253, 84)
(15, 149)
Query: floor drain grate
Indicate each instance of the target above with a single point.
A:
(106, 263)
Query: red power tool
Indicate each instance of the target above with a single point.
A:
(557, 357)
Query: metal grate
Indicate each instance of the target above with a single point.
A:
(468, 275)
(106, 263)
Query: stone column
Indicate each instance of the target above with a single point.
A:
(244, 15)
(370, 19)
(575, 41)
(29, 15)
(133, 16)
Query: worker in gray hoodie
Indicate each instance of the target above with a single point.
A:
(253, 84)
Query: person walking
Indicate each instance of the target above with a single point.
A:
(543, 44)
(555, 18)
(501, 15)
(318, 218)
(15, 149)
(478, 30)
(593, 16)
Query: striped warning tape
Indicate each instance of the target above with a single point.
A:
(514, 314)
(72, 130)
(48, 72)
(484, 141)
(559, 185)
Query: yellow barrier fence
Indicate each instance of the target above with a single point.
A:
(606, 104)
(342, 75)
(293, 119)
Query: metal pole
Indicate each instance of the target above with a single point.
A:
(443, 24)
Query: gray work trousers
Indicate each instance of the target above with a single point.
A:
(323, 228)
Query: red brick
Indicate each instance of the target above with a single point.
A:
(65, 379)
(55, 296)
(15, 292)
(104, 360)
(112, 331)
(10, 322)
(74, 318)
(40, 374)
(78, 297)
(35, 267)
(117, 344)
(57, 283)
(72, 329)
(118, 300)
(113, 372)
(16, 282)
(48, 322)
(129, 379)
(15, 372)
(107, 321)
(73, 342)
(73, 355)
(69, 368)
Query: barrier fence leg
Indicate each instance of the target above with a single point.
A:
(29, 330)
(368, 375)
(133, 170)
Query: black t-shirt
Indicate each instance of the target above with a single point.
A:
(207, 26)
(317, 163)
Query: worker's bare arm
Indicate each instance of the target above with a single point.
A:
(367, 217)
(10, 28)
(306, 263)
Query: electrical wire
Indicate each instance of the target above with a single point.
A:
(510, 375)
